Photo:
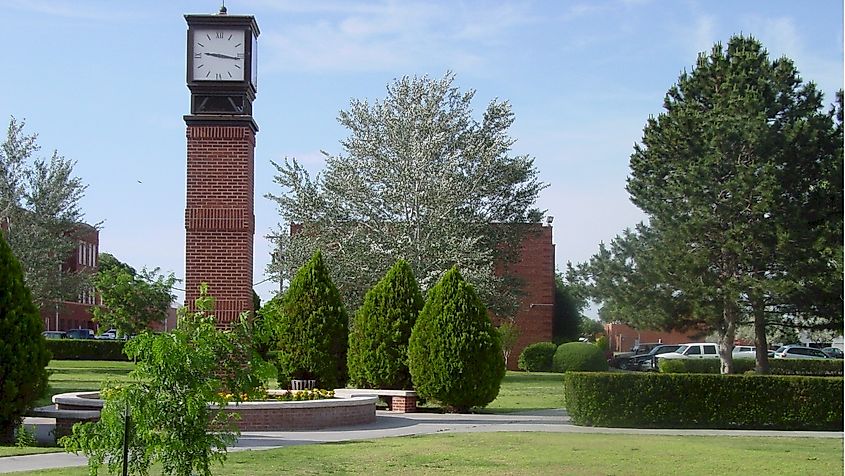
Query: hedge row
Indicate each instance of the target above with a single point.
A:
(86, 349)
(704, 401)
(806, 367)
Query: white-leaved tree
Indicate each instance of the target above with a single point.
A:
(40, 214)
(420, 179)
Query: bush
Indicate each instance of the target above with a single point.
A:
(537, 357)
(309, 327)
(806, 367)
(579, 357)
(86, 349)
(704, 401)
(23, 354)
(378, 340)
(454, 354)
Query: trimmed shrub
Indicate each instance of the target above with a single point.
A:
(806, 367)
(454, 354)
(87, 349)
(537, 357)
(378, 340)
(309, 325)
(704, 401)
(579, 357)
(23, 353)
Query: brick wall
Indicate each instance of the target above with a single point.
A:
(535, 267)
(219, 220)
(622, 337)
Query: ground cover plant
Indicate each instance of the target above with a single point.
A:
(539, 453)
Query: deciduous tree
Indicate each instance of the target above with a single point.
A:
(40, 209)
(419, 179)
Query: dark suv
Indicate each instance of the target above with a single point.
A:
(624, 360)
(80, 334)
(646, 361)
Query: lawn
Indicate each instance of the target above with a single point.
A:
(521, 391)
(79, 375)
(540, 453)
(27, 450)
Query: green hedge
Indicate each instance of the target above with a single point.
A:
(578, 357)
(537, 357)
(704, 401)
(86, 349)
(806, 367)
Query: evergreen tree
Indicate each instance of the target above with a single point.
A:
(310, 328)
(23, 352)
(455, 356)
(378, 340)
(741, 179)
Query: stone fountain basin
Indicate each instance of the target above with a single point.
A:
(260, 415)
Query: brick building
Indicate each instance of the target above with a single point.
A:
(76, 314)
(622, 337)
(535, 267)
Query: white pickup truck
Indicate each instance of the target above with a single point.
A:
(693, 351)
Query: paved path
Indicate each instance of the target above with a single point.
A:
(392, 424)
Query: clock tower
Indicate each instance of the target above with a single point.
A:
(219, 220)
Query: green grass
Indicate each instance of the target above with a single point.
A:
(27, 450)
(82, 375)
(540, 453)
(521, 391)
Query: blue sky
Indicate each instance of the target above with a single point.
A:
(103, 82)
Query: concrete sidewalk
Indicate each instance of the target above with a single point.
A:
(389, 424)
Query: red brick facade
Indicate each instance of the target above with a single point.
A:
(219, 220)
(536, 268)
(622, 337)
(76, 314)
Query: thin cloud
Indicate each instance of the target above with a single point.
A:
(393, 37)
(99, 11)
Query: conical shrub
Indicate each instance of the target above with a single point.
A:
(455, 356)
(378, 340)
(23, 351)
(309, 325)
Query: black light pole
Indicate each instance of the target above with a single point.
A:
(126, 438)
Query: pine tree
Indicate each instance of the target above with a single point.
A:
(23, 352)
(454, 354)
(378, 340)
(310, 328)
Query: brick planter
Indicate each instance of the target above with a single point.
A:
(268, 415)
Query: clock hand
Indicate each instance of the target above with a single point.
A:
(220, 55)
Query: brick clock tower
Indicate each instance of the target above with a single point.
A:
(219, 220)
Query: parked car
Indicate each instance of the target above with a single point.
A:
(695, 350)
(799, 352)
(623, 360)
(833, 352)
(744, 352)
(109, 334)
(80, 334)
(646, 363)
(54, 335)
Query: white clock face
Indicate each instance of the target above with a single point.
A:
(218, 55)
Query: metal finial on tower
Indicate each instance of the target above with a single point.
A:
(222, 8)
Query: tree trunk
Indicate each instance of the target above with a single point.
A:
(726, 337)
(760, 341)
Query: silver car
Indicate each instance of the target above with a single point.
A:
(799, 352)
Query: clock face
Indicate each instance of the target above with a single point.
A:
(218, 55)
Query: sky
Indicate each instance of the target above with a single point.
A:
(103, 82)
